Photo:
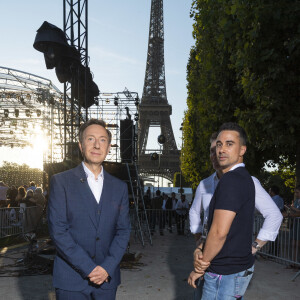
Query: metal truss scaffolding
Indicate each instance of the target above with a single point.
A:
(30, 107)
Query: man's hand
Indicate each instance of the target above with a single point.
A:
(254, 250)
(199, 264)
(193, 277)
(98, 275)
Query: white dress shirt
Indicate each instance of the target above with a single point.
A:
(182, 207)
(263, 203)
(95, 184)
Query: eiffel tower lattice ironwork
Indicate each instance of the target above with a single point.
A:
(154, 109)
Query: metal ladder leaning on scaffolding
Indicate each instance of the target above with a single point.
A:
(141, 224)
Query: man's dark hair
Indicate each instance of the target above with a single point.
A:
(157, 193)
(275, 189)
(32, 183)
(90, 122)
(213, 137)
(235, 127)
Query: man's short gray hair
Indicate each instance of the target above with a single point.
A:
(90, 122)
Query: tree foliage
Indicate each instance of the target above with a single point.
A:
(244, 67)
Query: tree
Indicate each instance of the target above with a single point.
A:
(245, 68)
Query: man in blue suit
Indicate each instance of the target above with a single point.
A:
(88, 216)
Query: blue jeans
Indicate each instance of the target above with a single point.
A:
(226, 287)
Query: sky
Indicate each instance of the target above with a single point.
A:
(117, 44)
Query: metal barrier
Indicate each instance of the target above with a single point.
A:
(286, 248)
(19, 220)
(161, 220)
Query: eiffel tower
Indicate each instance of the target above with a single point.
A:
(154, 109)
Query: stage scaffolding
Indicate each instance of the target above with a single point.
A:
(32, 106)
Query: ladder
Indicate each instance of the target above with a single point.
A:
(140, 222)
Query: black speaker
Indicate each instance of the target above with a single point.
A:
(126, 140)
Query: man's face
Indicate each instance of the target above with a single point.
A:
(95, 144)
(297, 193)
(229, 149)
(213, 155)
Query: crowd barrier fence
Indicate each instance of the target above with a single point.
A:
(19, 220)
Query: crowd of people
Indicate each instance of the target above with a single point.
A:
(17, 199)
(166, 210)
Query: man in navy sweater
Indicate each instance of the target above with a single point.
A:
(228, 263)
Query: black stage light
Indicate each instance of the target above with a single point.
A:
(27, 113)
(58, 54)
(85, 97)
(52, 41)
(6, 112)
(154, 156)
(17, 112)
(116, 102)
(38, 112)
(161, 139)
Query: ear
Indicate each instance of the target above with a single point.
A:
(80, 147)
(108, 149)
(243, 150)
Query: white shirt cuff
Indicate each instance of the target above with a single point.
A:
(265, 235)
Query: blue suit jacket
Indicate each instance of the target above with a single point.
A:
(85, 234)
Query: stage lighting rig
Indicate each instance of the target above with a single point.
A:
(66, 60)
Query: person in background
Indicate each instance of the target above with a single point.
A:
(31, 186)
(28, 200)
(294, 218)
(156, 206)
(3, 191)
(21, 194)
(274, 193)
(182, 208)
(39, 198)
(296, 203)
(12, 193)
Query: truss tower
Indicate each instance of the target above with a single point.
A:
(154, 109)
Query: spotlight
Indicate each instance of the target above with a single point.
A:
(6, 112)
(154, 156)
(17, 112)
(161, 139)
(136, 117)
(107, 101)
(137, 101)
(38, 112)
(22, 100)
(28, 97)
(116, 102)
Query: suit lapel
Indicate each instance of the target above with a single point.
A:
(86, 193)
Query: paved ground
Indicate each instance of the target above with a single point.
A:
(160, 273)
